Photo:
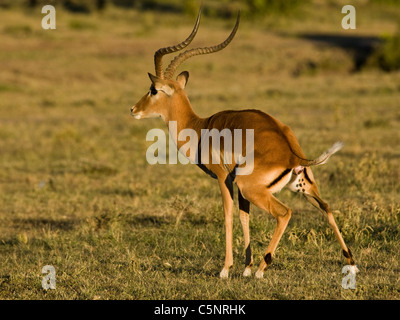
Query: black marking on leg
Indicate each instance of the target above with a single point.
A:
(323, 205)
(244, 204)
(248, 262)
(284, 173)
(306, 176)
(349, 255)
(268, 259)
(229, 185)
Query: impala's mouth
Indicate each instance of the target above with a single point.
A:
(136, 115)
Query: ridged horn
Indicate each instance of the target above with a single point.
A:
(198, 51)
(163, 51)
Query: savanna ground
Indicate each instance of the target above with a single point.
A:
(77, 193)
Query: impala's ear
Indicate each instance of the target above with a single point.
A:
(154, 79)
(183, 79)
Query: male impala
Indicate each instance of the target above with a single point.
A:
(278, 158)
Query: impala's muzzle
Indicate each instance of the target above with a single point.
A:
(134, 113)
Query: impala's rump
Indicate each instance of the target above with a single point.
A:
(279, 178)
(270, 135)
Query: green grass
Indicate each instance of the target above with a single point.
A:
(77, 193)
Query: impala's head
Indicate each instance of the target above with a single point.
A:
(164, 92)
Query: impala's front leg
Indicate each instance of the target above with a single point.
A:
(227, 199)
(244, 211)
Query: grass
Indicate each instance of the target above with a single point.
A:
(77, 193)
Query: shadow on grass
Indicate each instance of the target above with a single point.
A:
(146, 220)
(32, 223)
(28, 225)
(359, 47)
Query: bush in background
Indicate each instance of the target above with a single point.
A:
(265, 7)
(80, 6)
(388, 55)
(222, 8)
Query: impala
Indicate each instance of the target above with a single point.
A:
(278, 158)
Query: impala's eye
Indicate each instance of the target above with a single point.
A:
(153, 90)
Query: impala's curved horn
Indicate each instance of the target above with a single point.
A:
(163, 51)
(198, 51)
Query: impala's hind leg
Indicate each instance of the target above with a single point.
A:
(262, 198)
(244, 211)
(304, 183)
(282, 214)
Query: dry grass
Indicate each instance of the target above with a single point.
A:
(77, 193)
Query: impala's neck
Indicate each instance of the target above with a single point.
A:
(181, 112)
